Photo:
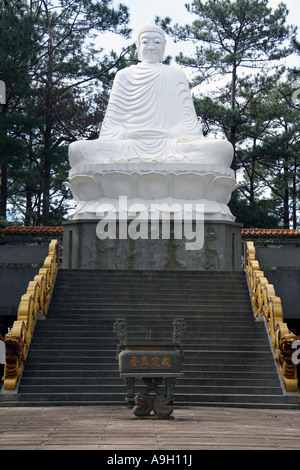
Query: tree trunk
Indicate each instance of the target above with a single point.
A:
(252, 173)
(294, 196)
(233, 123)
(3, 190)
(48, 128)
(3, 166)
(46, 190)
(28, 219)
(286, 214)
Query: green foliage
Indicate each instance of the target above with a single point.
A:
(57, 79)
(256, 214)
(246, 41)
(16, 52)
(231, 34)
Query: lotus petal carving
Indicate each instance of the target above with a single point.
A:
(85, 187)
(220, 189)
(148, 184)
(115, 184)
(189, 186)
(153, 185)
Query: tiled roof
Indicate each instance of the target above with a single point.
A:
(246, 232)
(32, 230)
(272, 232)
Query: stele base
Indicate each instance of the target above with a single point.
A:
(221, 250)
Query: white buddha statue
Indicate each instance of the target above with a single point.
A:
(150, 116)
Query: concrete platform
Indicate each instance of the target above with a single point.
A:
(116, 429)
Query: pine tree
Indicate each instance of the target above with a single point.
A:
(68, 76)
(232, 36)
(17, 51)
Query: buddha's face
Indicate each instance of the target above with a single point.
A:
(152, 47)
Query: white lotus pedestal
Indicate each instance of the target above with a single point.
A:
(145, 187)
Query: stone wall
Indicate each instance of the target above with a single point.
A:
(280, 261)
(18, 266)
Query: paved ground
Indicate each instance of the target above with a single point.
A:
(115, 428)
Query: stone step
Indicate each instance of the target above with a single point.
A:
(163, 283)
(192, 319)
(86, 327)
(151, 273)
(178, 289)
(261, 348)
(82, 323)
(180, 390)
(162, 286)
(219, 370)
(213, 319)
(139, 308)
(227, 357)
(104, 357)
(196, 399)
(75, 381)
(194, 338)
(141, 297)
(83, 343)
(111, 377)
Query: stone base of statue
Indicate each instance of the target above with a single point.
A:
(212, 246)
(168, 216)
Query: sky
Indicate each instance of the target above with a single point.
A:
(145, 11)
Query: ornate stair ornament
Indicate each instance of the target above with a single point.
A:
(268, 306)
(153, 363)
(120, 329)
(35, 301)
(179, 327)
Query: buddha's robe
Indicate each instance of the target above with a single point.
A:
(151, 117)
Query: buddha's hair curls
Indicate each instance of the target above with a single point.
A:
(150, 27)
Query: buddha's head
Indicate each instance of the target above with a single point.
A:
(151, 43)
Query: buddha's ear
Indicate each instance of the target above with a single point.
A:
(162, 54)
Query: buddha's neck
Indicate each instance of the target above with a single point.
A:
(150, 64)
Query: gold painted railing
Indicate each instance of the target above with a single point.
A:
(266, 304)
(34, 302)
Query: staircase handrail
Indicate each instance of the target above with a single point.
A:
(35, 301)
(267, 304)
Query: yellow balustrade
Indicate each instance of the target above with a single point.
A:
(267, 305)
(34, 301)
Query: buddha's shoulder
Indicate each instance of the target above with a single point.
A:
(176, 71)
(166, 69)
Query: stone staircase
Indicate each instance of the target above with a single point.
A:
(227, 355)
